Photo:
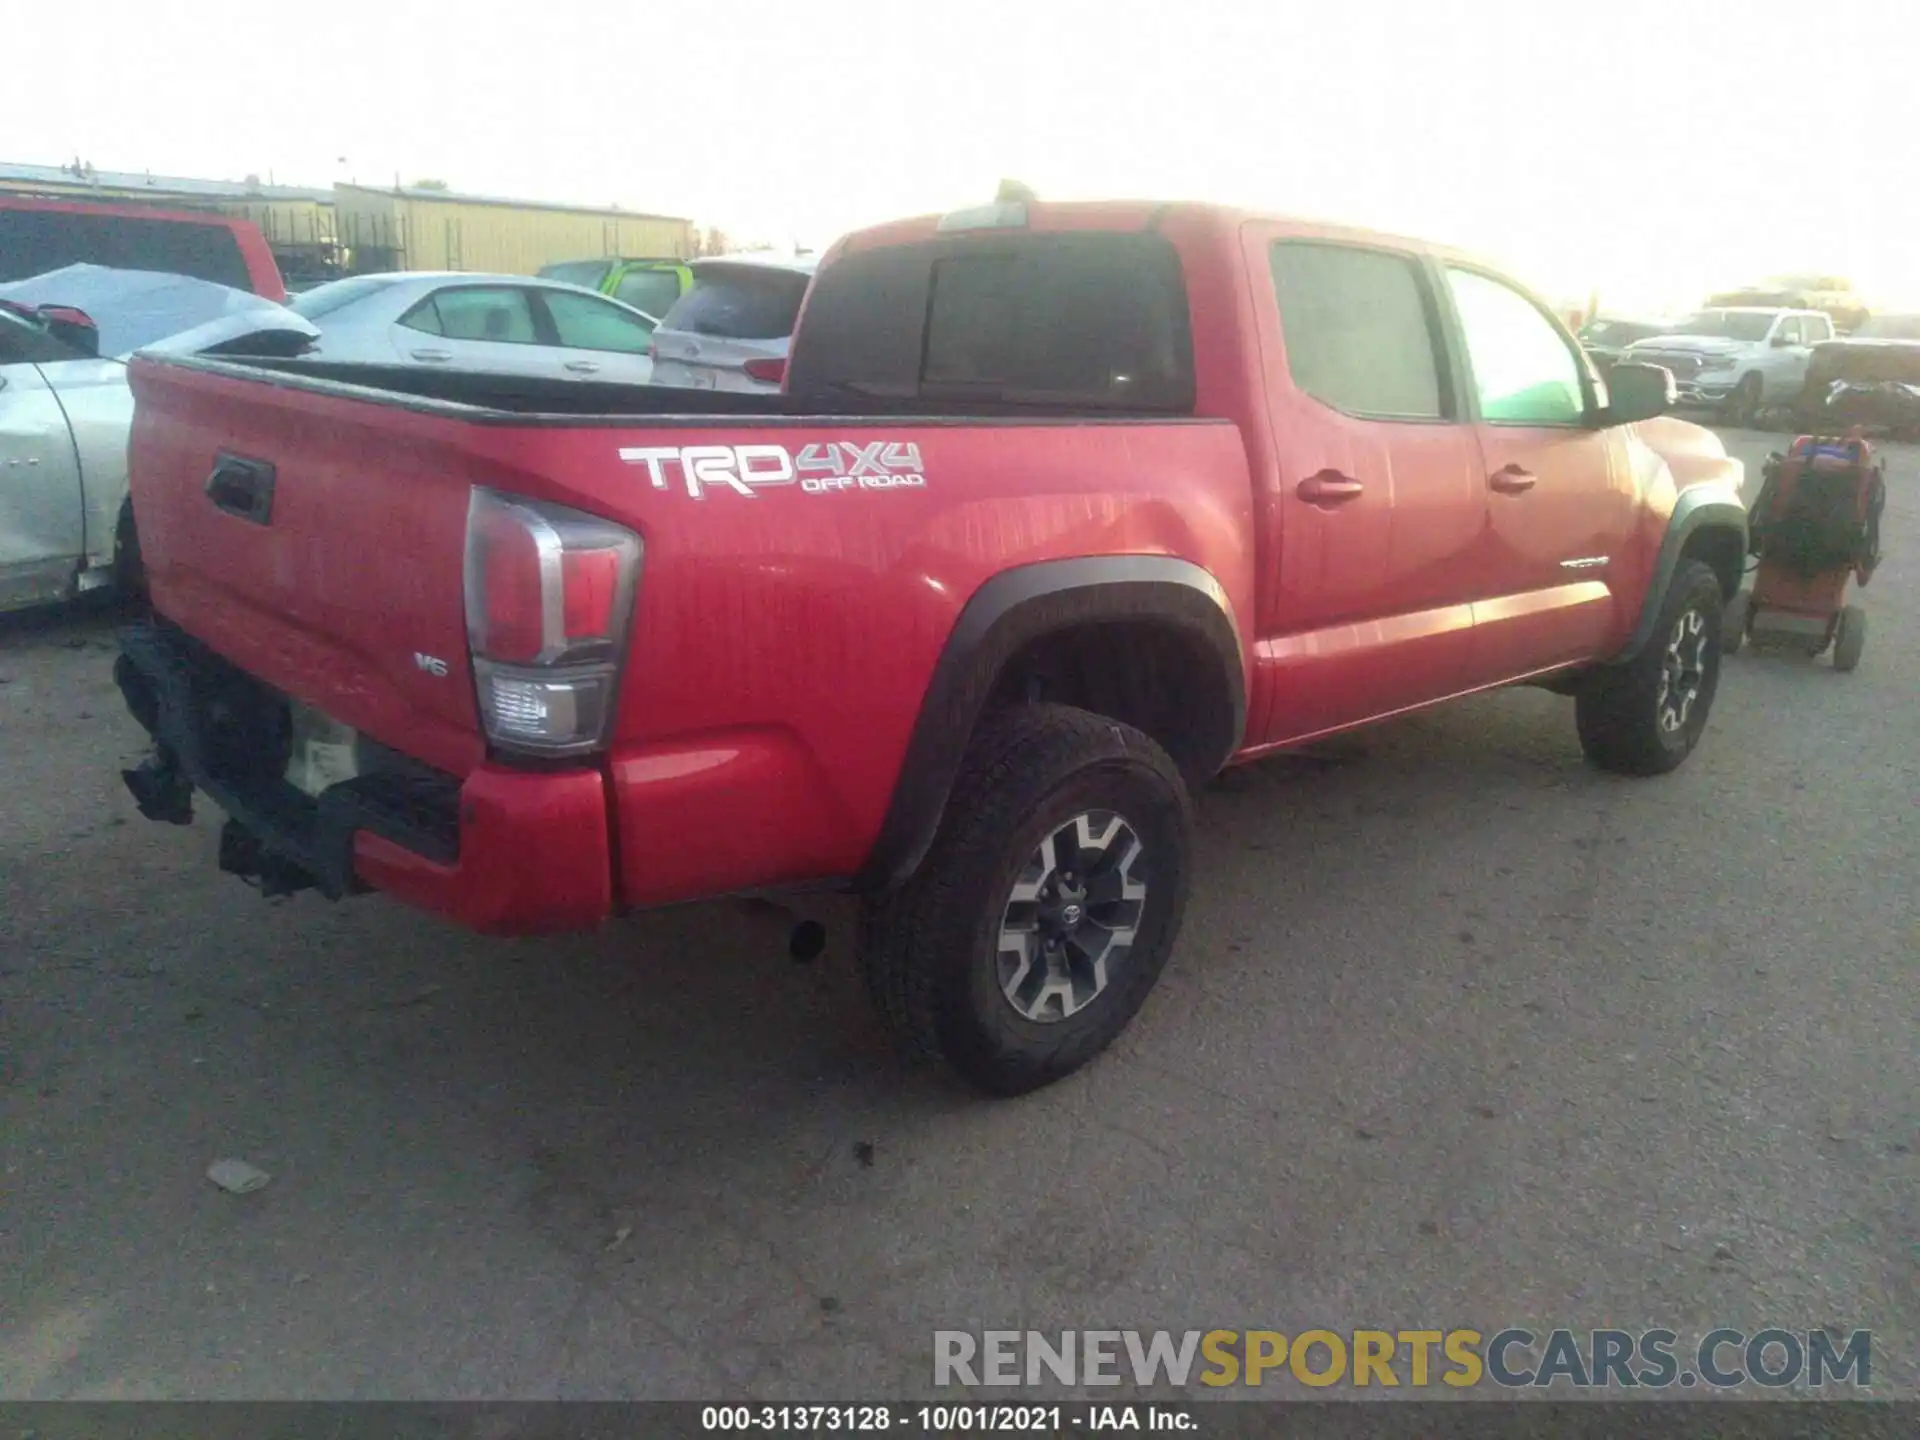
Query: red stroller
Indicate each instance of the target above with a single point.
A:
(1814, 526)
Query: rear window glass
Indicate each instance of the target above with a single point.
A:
(33, 242)
(653, 291)
(1090, 320)
(335, 295)
(1073, 320)
(588, 273)
(743, 303)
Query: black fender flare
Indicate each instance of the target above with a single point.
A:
(1698, 508)
(1007, 613)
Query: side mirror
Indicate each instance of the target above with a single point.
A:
(1638, 392)
(72, 327)
(1780, 342)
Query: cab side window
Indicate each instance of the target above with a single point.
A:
(1789, 330)
(1524, 372)
(1359, 330)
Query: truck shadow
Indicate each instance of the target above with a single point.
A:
(719, 1139)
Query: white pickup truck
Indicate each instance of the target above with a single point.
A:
(1738, 360)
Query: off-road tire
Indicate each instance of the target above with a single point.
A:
(1618, 712)
(930, 947)
(1849, 638)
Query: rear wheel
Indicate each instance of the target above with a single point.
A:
(1030, 935)
(1644, 717)
(1849, 638)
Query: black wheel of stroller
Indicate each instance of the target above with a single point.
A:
(1645, 716)
(1743, 406)
(1849, 638)
(1733, 623)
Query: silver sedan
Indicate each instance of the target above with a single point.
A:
(497, 324)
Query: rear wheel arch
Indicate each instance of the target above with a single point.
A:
(1148, 640)
(1709, 524)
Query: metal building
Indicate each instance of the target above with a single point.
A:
(316, 234)
(415, 229)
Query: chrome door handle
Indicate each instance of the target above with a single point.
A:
(583, 367)
(432, 355)
(1512, 480)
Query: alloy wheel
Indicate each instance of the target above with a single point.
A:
(1072, 917)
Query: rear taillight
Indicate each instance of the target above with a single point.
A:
(549, 597)
(767, 372)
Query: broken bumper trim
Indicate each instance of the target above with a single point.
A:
(503, 851)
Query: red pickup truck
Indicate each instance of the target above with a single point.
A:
(1063, 509)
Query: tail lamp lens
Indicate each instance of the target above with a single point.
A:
(549, 597)
(769, 371)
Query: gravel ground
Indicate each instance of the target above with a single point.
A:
(1460, 1032)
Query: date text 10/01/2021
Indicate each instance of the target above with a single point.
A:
(948, 1419)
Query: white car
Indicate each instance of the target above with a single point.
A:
(1737, 359)
(494, 324)
(66, 525)
(733, 329)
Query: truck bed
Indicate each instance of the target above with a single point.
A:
(518, 399)
(801, 574)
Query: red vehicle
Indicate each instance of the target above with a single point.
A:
(38, 235)
(1064, 508)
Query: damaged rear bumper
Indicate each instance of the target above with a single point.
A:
(501, 851)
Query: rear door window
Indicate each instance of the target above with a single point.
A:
(1360, 329)
(33, 242)
(740, 303)
(653, 291)
(500, 314)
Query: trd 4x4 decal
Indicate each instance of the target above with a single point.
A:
(819, 469)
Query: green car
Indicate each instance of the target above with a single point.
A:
(650, 284)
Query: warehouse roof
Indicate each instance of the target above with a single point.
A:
(457, 197)
(64, 178)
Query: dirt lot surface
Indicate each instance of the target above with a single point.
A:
(1460, 1032)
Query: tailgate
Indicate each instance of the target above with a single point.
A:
(316, 541)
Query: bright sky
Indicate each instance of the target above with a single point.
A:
(1652, 150)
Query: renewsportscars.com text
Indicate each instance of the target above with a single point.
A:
(1772, 1357)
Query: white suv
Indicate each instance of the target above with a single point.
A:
(1739, 359)
(733, 329)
